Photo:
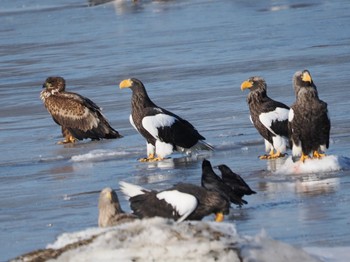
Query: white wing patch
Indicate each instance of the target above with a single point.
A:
(291, 115)
(183, 203)
(279, 114)
(151, 123)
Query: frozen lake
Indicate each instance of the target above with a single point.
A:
(192, 57)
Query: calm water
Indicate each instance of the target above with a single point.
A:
(192, 57)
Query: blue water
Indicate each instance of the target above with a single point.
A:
(192, 57)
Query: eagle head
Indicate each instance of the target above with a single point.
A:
(55, 84)
(254, 83)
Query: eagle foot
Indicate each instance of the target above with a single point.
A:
(273, 156)
(67, 140)
(318, 155)
(304, 157)
(151, 159)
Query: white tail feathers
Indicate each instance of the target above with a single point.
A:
(130, 190)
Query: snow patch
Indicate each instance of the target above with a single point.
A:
(326, 164)
(159, 239)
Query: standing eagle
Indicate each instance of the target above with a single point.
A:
(78, 116)
(309, 123)
(181, 202)
(164, 131)
(269, 117)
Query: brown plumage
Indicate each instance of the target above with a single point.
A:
(309, 123)
(79, 117)
(110, 212)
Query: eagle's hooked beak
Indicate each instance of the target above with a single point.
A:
(125, 83)
(246, 85)
(306, 77)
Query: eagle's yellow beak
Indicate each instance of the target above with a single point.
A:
(109, 195)
(125, 83)
(246, 84)
(306, 77)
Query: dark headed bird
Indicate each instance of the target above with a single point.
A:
(213, 182)
(78, 116)
(269, 117)
(110, 212)
(235, 181)
(181, 202)
(164, 131)
(309, 123)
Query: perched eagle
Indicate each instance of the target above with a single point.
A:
(269, 117)
(164, 131)
(235, 181)
(110, 212)
(309, 123)
(213, 182)
(181, 202)
(78, 116)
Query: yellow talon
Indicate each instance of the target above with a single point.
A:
(151, 158)
(272, 155)
(303, 157)
(316, 154)
(219, 217)
(67, 140)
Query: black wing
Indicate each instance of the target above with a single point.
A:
(213, 182)
(148, 205)
(235, 181)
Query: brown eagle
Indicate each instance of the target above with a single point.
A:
(79, 117)
(309, 123)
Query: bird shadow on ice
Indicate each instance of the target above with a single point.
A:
(327, 164)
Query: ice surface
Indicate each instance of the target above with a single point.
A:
(98, 155)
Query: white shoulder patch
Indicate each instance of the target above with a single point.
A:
(183, 203)
(151, 123)
(291, 115)
(279, 114)
(132, 122)
(251, 120)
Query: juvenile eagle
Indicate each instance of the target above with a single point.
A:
(78, 116)
(309, 123)
(110, 212)
(181, 202)
(269, 117)
(164, 131)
